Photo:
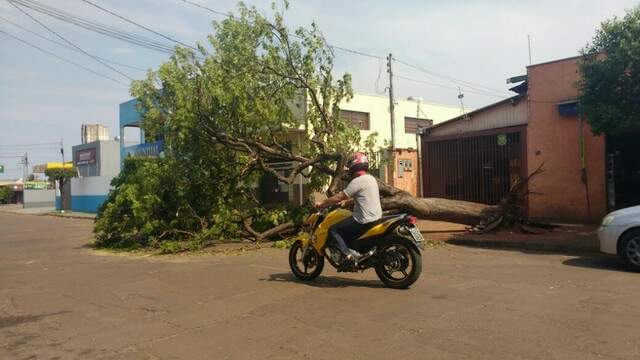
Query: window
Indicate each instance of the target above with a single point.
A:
(359, 119)
(568, 108)
(411, 124)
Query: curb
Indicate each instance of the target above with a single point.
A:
(48, 214)
(570, 247)
(69, 216)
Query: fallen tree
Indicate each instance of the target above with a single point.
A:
(230, 115)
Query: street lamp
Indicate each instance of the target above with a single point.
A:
(418, 144)
(418, 100)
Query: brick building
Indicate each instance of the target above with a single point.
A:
(476, 157)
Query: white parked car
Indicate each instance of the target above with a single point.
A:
(619, 234)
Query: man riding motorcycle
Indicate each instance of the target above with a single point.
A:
(363, 189)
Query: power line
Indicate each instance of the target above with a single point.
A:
(138, 25)
(70, 42)
(450, 87)
(356, 52)
(96, 27)
(22, 145)
(351, 51)
(63, 59)
(67, 46)
(451, 79)
(479, 89)
(208, 8)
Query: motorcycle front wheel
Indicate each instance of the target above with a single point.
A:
(399, 263)
(307, 266)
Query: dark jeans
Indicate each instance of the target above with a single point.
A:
(347, 232)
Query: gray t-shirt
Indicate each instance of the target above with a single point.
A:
(366, 196)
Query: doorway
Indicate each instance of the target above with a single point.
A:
(623, 170)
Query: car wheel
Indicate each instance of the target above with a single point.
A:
(630, 248)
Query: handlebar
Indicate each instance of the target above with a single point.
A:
(328, 209)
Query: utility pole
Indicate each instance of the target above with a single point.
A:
(391, 102)
(62, 152)
(392, 112)
(25, 169)
(529, 45)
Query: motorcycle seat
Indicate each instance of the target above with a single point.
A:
(385, 219)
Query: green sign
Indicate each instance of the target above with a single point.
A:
(1, 169)
(35, 185)
(502, 140)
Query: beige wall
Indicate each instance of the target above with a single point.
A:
(554, 141)
(380, 120)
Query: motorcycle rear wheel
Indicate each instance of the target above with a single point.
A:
(395, 257)
(307, 268)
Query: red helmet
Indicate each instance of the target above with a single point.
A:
(359, 161)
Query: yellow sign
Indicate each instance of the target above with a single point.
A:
(58, 165)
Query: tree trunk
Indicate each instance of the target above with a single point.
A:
(462, 212)
(278, 230)
(64, 203)
(481, 217)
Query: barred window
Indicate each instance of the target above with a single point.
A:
(359, 119)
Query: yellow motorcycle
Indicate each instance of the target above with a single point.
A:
(391, 246)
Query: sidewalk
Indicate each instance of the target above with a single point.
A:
(73, 215)
(573, 239)
(18, 209)
(569, 239)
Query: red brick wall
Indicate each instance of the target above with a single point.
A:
(554, 141)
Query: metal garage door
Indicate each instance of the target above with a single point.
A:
(479, 168)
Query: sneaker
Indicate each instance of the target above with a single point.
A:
(352, 256)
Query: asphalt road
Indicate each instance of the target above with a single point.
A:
(60, 300)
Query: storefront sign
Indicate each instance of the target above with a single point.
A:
(153, 149)
(35, 185)
(502, 140)
(86, 156)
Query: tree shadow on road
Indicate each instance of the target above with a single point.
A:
(599, 262)
(326, 281)
(10, 321)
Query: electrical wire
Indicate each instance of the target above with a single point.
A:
(475, 88)
(22, 145)
(335, 47)
(208, 8)
(63, 59)
(70, 42)
(136, 40)
(138, 25)
(67, 46)
(465, 83)
(484, 93)
(90, 25)
(376, 84)
(356, 52)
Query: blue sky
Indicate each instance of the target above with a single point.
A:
(44, 100)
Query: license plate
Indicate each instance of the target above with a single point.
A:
(416, 234)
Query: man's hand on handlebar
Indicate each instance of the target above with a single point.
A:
(335, 199)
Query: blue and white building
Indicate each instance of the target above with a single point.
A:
(97, 163)
(130, 117)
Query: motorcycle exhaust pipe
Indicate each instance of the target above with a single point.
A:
(367, 255)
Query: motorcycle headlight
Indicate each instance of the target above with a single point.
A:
(607, 220)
